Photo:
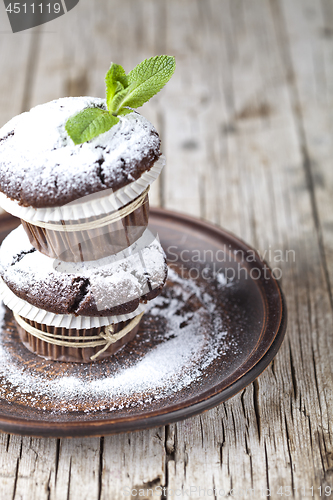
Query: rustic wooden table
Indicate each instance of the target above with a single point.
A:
(246, 124)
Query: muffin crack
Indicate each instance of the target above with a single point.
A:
(84, 284)
(22, 254)
(100, 172)
(10, 134)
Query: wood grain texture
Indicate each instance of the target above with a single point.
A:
(246, 125)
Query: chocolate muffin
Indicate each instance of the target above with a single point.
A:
(111, 286)
(78, 202)
(74, 302)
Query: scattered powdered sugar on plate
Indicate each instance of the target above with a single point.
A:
(221, 278)
(183, 333)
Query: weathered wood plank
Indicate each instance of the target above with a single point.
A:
(77, 470)
(10, 453)
(310, 66)
(133, 462)
(271, 206)
(35, 467)
(15, 58)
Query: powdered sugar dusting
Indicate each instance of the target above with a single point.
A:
(173, 357)
(41, 166)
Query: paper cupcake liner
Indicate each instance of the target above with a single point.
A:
(69, 321)
(93, 205)
(72, 354)
(92, 244)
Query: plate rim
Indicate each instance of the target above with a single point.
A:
(156, 418)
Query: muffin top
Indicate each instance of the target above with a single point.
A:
(40, 166)
(108, 287)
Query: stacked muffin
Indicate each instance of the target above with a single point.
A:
(79, 270)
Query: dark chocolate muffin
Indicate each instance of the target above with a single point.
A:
(42, 167)
(114, 285)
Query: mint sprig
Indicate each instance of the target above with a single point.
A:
(122, 92)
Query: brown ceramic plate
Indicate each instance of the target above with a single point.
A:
(220, 321)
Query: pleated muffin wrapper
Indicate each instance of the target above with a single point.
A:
(69, 327)
(97, 226)
(89, 244)
(74, 354)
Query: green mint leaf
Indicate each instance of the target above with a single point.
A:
(144, 81)
(116, 81)
(89, 123)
